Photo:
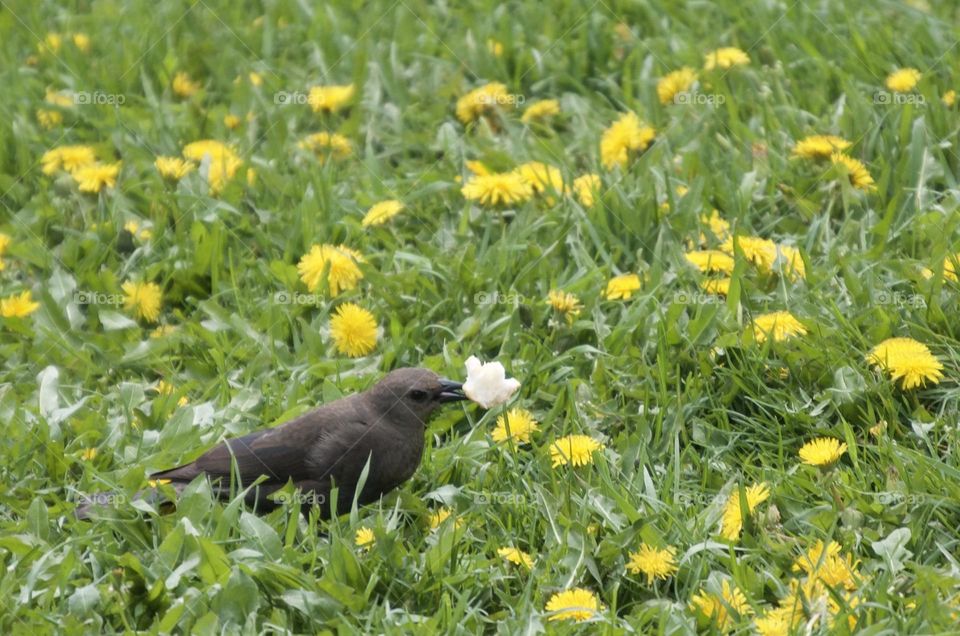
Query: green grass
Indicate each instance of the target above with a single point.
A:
(689, 409)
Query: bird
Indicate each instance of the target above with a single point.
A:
(326, 448)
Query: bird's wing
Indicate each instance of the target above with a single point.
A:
(262, 453)
(343, 452)
(279, 454)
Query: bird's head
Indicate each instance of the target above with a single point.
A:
(411, 395)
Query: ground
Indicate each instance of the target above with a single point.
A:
(151, 308)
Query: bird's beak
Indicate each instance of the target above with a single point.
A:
(450, 391)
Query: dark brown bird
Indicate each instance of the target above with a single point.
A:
(327, 447)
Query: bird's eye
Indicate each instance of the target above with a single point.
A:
(417, 395)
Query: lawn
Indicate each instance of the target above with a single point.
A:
(716, 242)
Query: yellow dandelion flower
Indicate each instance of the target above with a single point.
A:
(565, 303)
(133, 227)
(477, 168)
(732, 522)
(903, 80)
(164, 388)
(436, 519)
(541, 177)
(779, 325)
(498, 188)
(624, 136)
(51, 42)
(576, 450)
(18, 305)
(719, 227)
(162, 331)
(49, 119)
(82, 42)
(364, 538)
(809, 560)
(333, 145)
(792, 263)
(811, 592)
(717, 607)
(907, 359)
(59, 98)
(856, 172)
(173, 168)
(88, 454)
(256, 79)
(231, 121)
(540, 110)
(819, 146)
(338, 262)
(183, 86)
(711, 261)
(381, 212)
(221, 161)
(759, 251)
(517, 557)
(577, 604)
(949, 268)
(143, 300)
(949, 98)
(96, 176)
(482, 100)
(586, 188)
(330, 99)
(652, 562)
(725, 57)
(495, 47)
(353, 330)
(208, 149)
(5, 241)
(716, 286)
(838, 572)
(220, 173)
(622, 286)
(69, 158)
(518, 424)
(780, 621)
(672, 84)
(878, 429)
(823, 451)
